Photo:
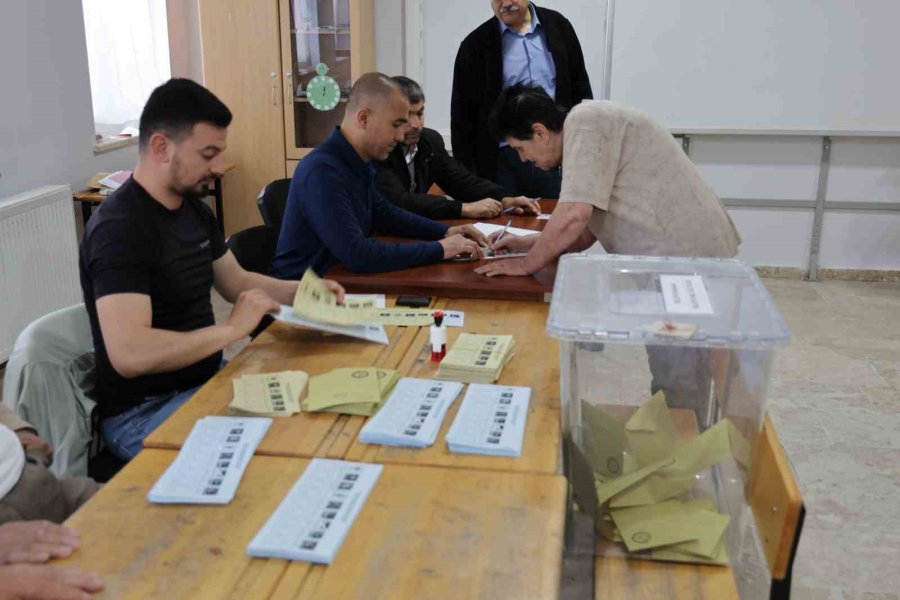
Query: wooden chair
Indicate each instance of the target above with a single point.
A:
(778, 509)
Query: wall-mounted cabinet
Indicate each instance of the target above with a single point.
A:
(261, 59)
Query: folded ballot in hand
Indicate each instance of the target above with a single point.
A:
(269, 394)
(477, 358)
(350, 391)
(316, 302)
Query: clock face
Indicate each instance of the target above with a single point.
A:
(323, 93)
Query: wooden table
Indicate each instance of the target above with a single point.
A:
(535, 365)
(424, 533)
(282, 347)
(455, 279)
(90, 198)
(305, 435)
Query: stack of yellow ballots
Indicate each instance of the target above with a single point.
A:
(316, 302)
(350, 391)
(477, 358)
(646, 497)
(269, 394)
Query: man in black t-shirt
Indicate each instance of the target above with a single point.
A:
(149, 258)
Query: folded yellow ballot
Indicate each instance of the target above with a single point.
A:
(269, 394)
(353, 391)
(651, 431)
(690, 526)
(315, 301)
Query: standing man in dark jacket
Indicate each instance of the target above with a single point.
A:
(523, 43)
(421, 160)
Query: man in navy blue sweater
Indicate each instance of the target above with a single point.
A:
(334, 205)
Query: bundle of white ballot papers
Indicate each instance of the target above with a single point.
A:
(211, 463)
(491, 420)
(314, 301)
(269, 394)
(413, 414)
(313, 519)
(364, 331)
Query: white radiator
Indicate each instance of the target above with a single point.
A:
(38, 259)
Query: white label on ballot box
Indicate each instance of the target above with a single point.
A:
(413, 414)
(313, 519)
(685, 295)
(491, 420)
(209, 467)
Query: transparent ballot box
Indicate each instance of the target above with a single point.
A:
(665, 365)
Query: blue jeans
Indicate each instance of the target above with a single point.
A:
(124, 433)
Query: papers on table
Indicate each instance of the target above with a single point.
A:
(421, 317)
(316, 302)
(378, 299)
(489, 228)
(211, 463)
(269, 394)
(350, 391)
(313, 519)
(477, 358)
(366, 331)
(413, 414)
(491, 420)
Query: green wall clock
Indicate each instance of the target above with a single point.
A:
(323, 92)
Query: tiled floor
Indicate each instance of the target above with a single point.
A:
(835, 400)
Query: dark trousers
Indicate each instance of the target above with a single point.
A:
(524, 178)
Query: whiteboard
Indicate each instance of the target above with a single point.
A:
(760, 65)
(446, 24)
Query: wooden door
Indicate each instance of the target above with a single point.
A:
(242, 66)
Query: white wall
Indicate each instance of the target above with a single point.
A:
(46, 119)
(744, 167)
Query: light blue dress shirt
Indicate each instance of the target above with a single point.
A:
(526, 58)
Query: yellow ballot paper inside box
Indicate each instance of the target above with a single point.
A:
(354, 385)
(689, 527)
(269, 394)
(650, 431)
(603, 438)
(316, 302)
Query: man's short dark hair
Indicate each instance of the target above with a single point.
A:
(176, 106)
(519, 107)
(411, 88)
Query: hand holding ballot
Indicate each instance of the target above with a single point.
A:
(323, 300)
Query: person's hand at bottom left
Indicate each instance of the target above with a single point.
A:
(47, 582)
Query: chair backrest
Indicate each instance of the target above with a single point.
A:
(776, 503)
(49, 382)
(272, 201)
(254, 248)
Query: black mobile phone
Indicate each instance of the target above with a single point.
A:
(414, 301)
